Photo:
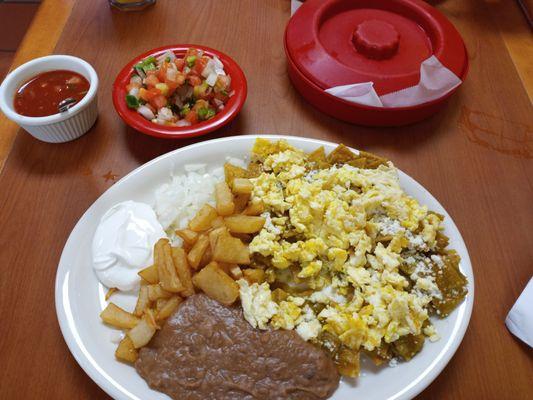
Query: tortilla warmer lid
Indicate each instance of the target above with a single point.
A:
(339, 42)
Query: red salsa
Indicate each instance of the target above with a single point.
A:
(40, 96)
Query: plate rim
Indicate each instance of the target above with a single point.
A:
(80, 354)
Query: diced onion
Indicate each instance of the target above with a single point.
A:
(134, 92)
(136, 80)
(146, 112)
(183, 122)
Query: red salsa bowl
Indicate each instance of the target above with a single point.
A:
(139, 123)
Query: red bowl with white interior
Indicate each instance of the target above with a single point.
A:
(141, 124)
(403, 49)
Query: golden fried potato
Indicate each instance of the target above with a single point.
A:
(197, 252)
(126, 351)
(182, 267)
(218, 222)
(188, 236)
(242, 186)
(143, 332)
(256, 208)
(159, 304)
(244, 223)
(214, 235)
(170, 306)
(203, 218)
(218, 285)
(224, 199)
(235, 272)
(157, 292)
(231, 250)
(150, 274)
(254, 275)
(232, 171)
(254, 169)
(241, 202)
(168, 276)
(118, 317)
(143, 301)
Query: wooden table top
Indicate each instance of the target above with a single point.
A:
(476, 157)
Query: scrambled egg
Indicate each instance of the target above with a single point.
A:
(346, 240)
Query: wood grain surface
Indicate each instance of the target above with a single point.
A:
(476, 157)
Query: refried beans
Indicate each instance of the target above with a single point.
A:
(208, 351)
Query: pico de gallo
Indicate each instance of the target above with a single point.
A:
(179, 91)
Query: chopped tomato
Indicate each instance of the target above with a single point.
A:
(180, 63)
(159, 101)
(172, 86)
(192, 117)
(194, 80)
(162, 73)
(148, 95)
(222, 96)
(150, 81)
(199, 65)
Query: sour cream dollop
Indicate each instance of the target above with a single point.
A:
(123, 244)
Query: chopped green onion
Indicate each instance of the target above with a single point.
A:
(224, 92)
(149, 60)
(190, 61)
(206, 113)
(149, 67)
(167, 59)
(185, 110)
(132, 101)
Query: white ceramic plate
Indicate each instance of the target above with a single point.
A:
(80, 297)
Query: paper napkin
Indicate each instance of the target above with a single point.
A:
(435, 81)
(520, 319)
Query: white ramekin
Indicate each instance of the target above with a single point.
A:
(56, 128)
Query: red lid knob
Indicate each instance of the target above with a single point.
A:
(376, 39)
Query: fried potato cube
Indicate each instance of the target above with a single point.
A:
(143, 301)
(143, 332)
(224, 199)
(159, 304)
(188, 236)
(197, 252)
(216, 284)
(242, 186)
(157, 292)
(218, 222)
(126, 351)
(235, 272)
(241, 202)
(149, 274)
(244, 223)
(214, 235)
(231, 250)
(203, 218)
(118, 317)
(232, 171)
(182, 267)
(206, 258)
(168, 276)
(244, 237)
(254, 275)
(170, 306)
(256, 208)
(227, 267)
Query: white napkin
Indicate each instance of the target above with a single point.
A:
(435, 81)
(295, 4)
(520, 319)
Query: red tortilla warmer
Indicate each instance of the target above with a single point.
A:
(331, 43)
